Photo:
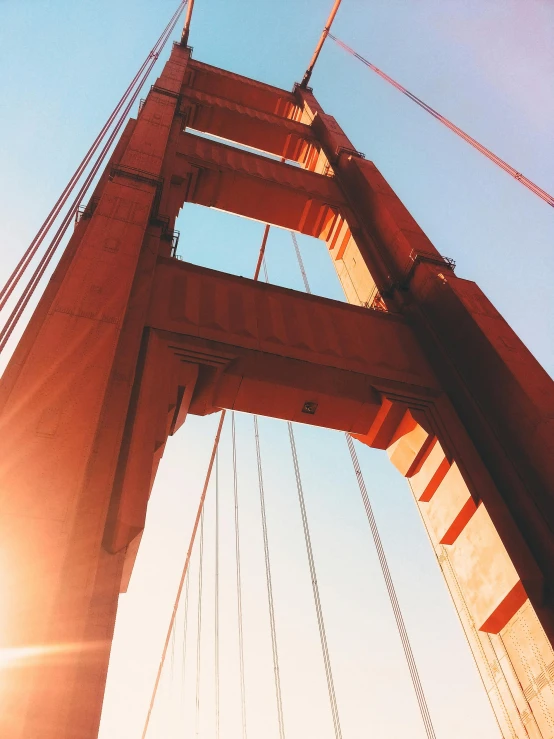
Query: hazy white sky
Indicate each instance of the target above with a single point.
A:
(488, 66)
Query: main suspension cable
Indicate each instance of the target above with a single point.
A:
(535, 189)
(13, 280)
(239, 581)
(271, 607)
(414, 674)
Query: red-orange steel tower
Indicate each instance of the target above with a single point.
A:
(126, 341)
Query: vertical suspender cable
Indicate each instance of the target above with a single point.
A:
(185, 629)
(239, 582)
(271, 607)
(309, 550)
(199, 622)
(216, 602)
(184, 573)
(301, 263)
(315, 588)
(172, 672)
(414, 674)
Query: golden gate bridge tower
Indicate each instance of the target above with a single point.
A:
(127, 341)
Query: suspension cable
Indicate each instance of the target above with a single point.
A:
(199, 622)
(418, 688)
(44, 262)
(319, 46)
(185, 629)
(172, 661)
(184, 572)
(271, 607)
(315, 588)
(414, 674)
(300, 263)
(535, 189)
(239, 581)
(14, 278)
(308, 540)
(16, 275)
(216, 603)
(25, 297)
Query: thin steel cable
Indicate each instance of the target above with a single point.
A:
(308, 542)
(300, 263)
(535, 189)
(271, 607)
(24, 299)
(266, 277)
(239, 582)
(185, 629)
(184, 573)
(315, 588)
(33, 247)
(199, 622)
(216, 604)
(414, 674)
(172, 660)
(275, 653)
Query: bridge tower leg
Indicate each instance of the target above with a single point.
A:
(64, 399)
(505, 401)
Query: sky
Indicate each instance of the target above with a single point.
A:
(488, 66)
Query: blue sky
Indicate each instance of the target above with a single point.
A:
(488, 66)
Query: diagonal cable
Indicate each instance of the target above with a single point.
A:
(526, 182)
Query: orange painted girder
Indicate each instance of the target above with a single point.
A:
(237, 312)
(218, 341)
(242, 90)
(213, 174)
(234, 122)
